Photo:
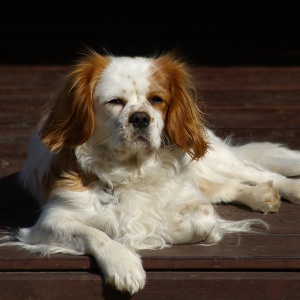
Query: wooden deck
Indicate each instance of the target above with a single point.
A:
(253, 104)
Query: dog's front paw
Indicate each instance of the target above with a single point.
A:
(268, 199)
(123, 268)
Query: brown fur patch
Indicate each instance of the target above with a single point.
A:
(205, 186)
(163, 106)
(192, 207)
(159, 87)
(65, 174)
(70, 121)
(183, 119)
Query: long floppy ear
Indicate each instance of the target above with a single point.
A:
(71, 120)
(184, 118)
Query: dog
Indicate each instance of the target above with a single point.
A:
(123, 161)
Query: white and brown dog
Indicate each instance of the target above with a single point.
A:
(122, 162)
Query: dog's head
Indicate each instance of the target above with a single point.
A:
(128, 105)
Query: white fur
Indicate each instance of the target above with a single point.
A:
(148, 196)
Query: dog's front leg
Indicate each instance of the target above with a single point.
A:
(60, 230)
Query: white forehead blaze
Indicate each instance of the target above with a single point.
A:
(124, 77)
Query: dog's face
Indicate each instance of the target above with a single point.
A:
(130, 107)
(127, 105)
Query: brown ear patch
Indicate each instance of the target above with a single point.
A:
(70, 121)
(184, 120)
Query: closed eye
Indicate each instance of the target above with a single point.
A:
(116, 101)
(156, 100)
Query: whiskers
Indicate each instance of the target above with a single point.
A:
(165, 140)
(110, 135)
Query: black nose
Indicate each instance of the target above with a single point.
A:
(139, 119)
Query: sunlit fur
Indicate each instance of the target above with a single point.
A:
(122, 161)
(71, 120)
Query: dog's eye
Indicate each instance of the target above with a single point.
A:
(156, 100)
(116, 101)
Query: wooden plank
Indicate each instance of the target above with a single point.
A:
(13, 118)
(31, 77)
(14, 143)
(166, 285)
(254, 117)
(11, 164)
(208, 77)
(27, 97)
(49, 285)
(15, 140)
(249, 251)
(285, 136)
(24, 100)
(233, 252)
(282, 222)
(240, 98)
(247, 77)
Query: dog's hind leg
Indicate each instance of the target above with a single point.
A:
(196, 221)
(224, 172)
(253, 187)
(273, 157)
(262, 197)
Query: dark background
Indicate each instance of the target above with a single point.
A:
(207, 32)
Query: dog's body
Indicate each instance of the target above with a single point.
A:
(124, 162)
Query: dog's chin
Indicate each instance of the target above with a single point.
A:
(141, 142)
(139, 145)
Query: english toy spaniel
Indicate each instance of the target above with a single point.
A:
(123, 162)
